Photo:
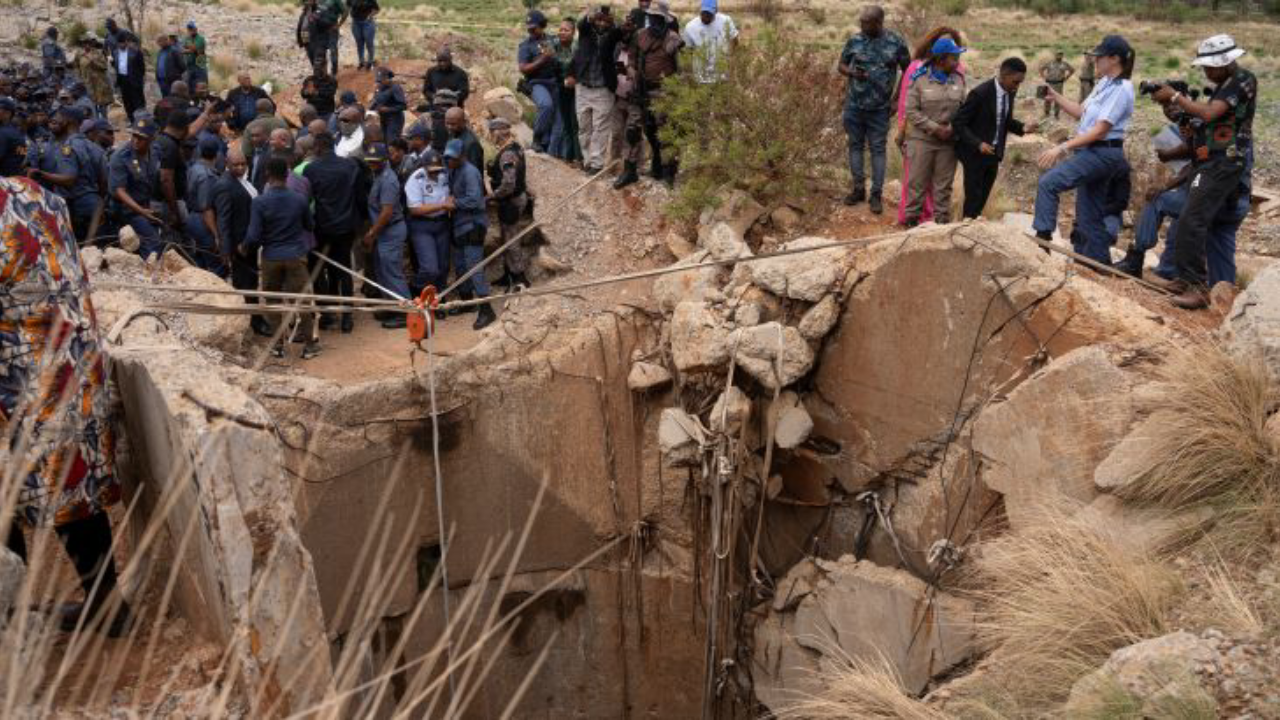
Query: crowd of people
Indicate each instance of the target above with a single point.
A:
(942, 122)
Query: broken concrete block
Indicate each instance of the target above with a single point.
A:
(802, 276)
(696, 284)
(736, 208)
(818, 320)
(1177, 670)
(680, 437)
(785, 217)
(734, 407)
(1043, 443)
(756, 350)
(725, 243)
(647, 376)
(224, 332)
(699, 337)
(122, 261)
(851, 610)
(1254, 323)
(12, 573)
(793, 428)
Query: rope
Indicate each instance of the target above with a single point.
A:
(196, 289)
(1100, 267)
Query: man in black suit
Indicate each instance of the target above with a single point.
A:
(982, 124)
(131, 75)
(232, 202)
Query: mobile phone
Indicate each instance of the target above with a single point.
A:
(1042, 92)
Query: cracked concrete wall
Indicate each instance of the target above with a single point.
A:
(204, 449)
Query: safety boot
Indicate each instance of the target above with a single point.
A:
(1132, 263)
(629, 176)
(876, 203)
(485, 317)
(858, 195)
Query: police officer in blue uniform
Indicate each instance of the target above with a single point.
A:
(66, 165)
(133, 180)
(13, 142)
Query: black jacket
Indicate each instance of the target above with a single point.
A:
(335, 185)
(975, 122)
(137, 77)
(591, 45)
(231, 207)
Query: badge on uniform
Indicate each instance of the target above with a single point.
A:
(66, 150)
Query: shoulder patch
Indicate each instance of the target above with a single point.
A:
(920, 72)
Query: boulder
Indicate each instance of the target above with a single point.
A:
(793, 428)
(224, 332)
(747, 314)
(774, 354)
(699, 337)
(1044, 442)
(735, 407)
(736, 208)
(1169, 676)
(91, 258)
(725, 243)
(12, 572)
(1253, 326)
(1129, 459)
(818, 320)
(123, 261)
(785, 217)
(697, 284)
(802, 276)
(679, 245)
(501, 102)
(1145, 530)
(850, 610)
(680, 437)
(647, 376)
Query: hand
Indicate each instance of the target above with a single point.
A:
(1031, 127)
(860, 73)
(34, 173)
(986, 149)
(570, 83)
(943, 132)
(1164, 94)
(1163, 155)
(450, 203)
(368, 240)
(150, 217)
(1051, 94)
(1050, 157)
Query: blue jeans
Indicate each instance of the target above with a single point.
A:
(332, 46)
(430, 240)
(1087, 172)
(1167, 204)
(149, 242)
(388, 251)
(867, 128)
(547, 127)
(201, 245)
(195, 75)
(1220, 250)
(466, 257)
(363, 31)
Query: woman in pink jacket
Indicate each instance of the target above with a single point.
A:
(918, 58)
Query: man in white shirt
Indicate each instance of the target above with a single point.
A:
(710, 35)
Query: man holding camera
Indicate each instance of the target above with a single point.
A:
(1222, 157)
(871, 60)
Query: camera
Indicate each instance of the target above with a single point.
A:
(1146, 87)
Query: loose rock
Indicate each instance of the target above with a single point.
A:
(802, 276)
(756, 350)
(680, 437)
(699, 338)
(697, 284)
(647, 376)
(734, 407)
(819, 319)
(725, 243)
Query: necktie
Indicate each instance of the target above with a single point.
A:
(1000, 105)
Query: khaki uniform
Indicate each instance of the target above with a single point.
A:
(92, 69)
(1086, 78)
(1055, 74)
(930, 104)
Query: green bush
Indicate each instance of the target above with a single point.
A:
(772, 128)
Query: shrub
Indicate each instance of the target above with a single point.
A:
(771, 129)
(254, 50)
(861, 689)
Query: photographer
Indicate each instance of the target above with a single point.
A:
(1163, 202)
(1099, 146)
(1221, 154)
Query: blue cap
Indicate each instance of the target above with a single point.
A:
(431, 160)
(102, 125)
(418, 130)
(145, 126)
(376, 152)
(8, 103)
(710, 6)
(1113, 45)
(191, 24)
(208, 145)
(347, 97)
(453, 149)
(945, 46)
(535, 18)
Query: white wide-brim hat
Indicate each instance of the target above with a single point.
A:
(1218, 51)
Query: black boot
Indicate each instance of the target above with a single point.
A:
(858, 195)
(348, 323)
(519, 281)
(656, 168)
(669, 173)
(629, 176)
(485, 317)
(876, 203)
(1132, 262)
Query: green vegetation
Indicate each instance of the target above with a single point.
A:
(1166, 10)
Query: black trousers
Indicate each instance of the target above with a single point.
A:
(336, 246)
(1214, 184)
(134, 98)
(88, 543)
(980, 173)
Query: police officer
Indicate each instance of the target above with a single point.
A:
(1222, 160)
(1086, 77)
(51, 53)
(390, 103)
(67, 166)
(387, 234)
(132, 178)
(202, 223)
(871, 60)
(470, 223)
(510, 195)
(1055, 74)
(13, 142)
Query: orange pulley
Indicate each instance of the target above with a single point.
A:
(422, 324)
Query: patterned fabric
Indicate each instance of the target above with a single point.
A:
(54, 401)
(875, 62)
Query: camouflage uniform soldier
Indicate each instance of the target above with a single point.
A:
(871, 60)
(1086, 77)
(511, 198)
(1055, 75)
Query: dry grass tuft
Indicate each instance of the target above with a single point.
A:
(862, 689)
(1210, 446)
(1228, 607)
(1057, 601)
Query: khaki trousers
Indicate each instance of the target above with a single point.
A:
(933, 164)
(595, 123)
(288, 276)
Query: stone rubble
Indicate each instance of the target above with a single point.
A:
(774, 354)
(645, 376)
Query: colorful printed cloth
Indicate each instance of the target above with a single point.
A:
(54, 401)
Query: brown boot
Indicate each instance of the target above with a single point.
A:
(1192, 297)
